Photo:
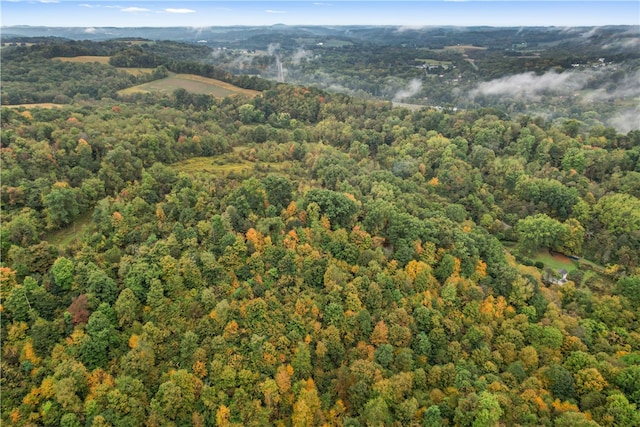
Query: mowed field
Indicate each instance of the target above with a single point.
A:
(104, 60)
(191, 83)
(38, 105)
(464, 47)
(100, 59)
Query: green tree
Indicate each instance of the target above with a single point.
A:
(539, 231)
(629, 381)
(339, 208)
(574, 419)
(102, 286)
(45, 334)
(62, 271)
(69, 420)
(118, 167)
(175, 399)
(102, 341)
(561, 382)
(619, 213)
(573, 237)
(376, 413)
(61, 205)
(301, 363)
(629, 286)
(488, 412)
(278, 190)
(126, 307)
(432, 417)
(624, 414)
(23, 229)
(557, 197)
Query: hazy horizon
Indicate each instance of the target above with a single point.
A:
(153, 13)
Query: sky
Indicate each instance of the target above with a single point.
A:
(417, 13)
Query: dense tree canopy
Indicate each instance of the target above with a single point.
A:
(353, 264)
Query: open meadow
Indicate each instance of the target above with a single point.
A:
(191, 83)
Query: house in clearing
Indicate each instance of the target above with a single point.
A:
(558, 277)
(563, 276)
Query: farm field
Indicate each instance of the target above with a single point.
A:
(191, 83)
(430, 61)
(38, 105)
(84, 59)
(464, 48)
(104, 60)
(136, 71)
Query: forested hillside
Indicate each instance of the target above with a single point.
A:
(304, 258)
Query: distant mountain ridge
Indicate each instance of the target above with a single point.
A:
(428, 36)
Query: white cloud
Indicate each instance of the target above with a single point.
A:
(89, 5)
(170, 10)
(275, 11)
(299, 55)
(48, 1)
(271, 49)
(625, 43)
(322, 4)
(627, 88)
(530, 85)
(403, 28)
(592, 32)
(412, 89)
(626, 121)
(135, 9)
(90, 30)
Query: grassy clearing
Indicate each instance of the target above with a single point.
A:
(225, 164)
(412, 107)
(84, 59)
(337, 43)
(593, 265)
(68, 235)
(136, 71)
(104, 60)
(464, 47)
(434, 62)
(588, 268)
(216, 165)
(40, 105)
(191, 83)
(555, 262)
